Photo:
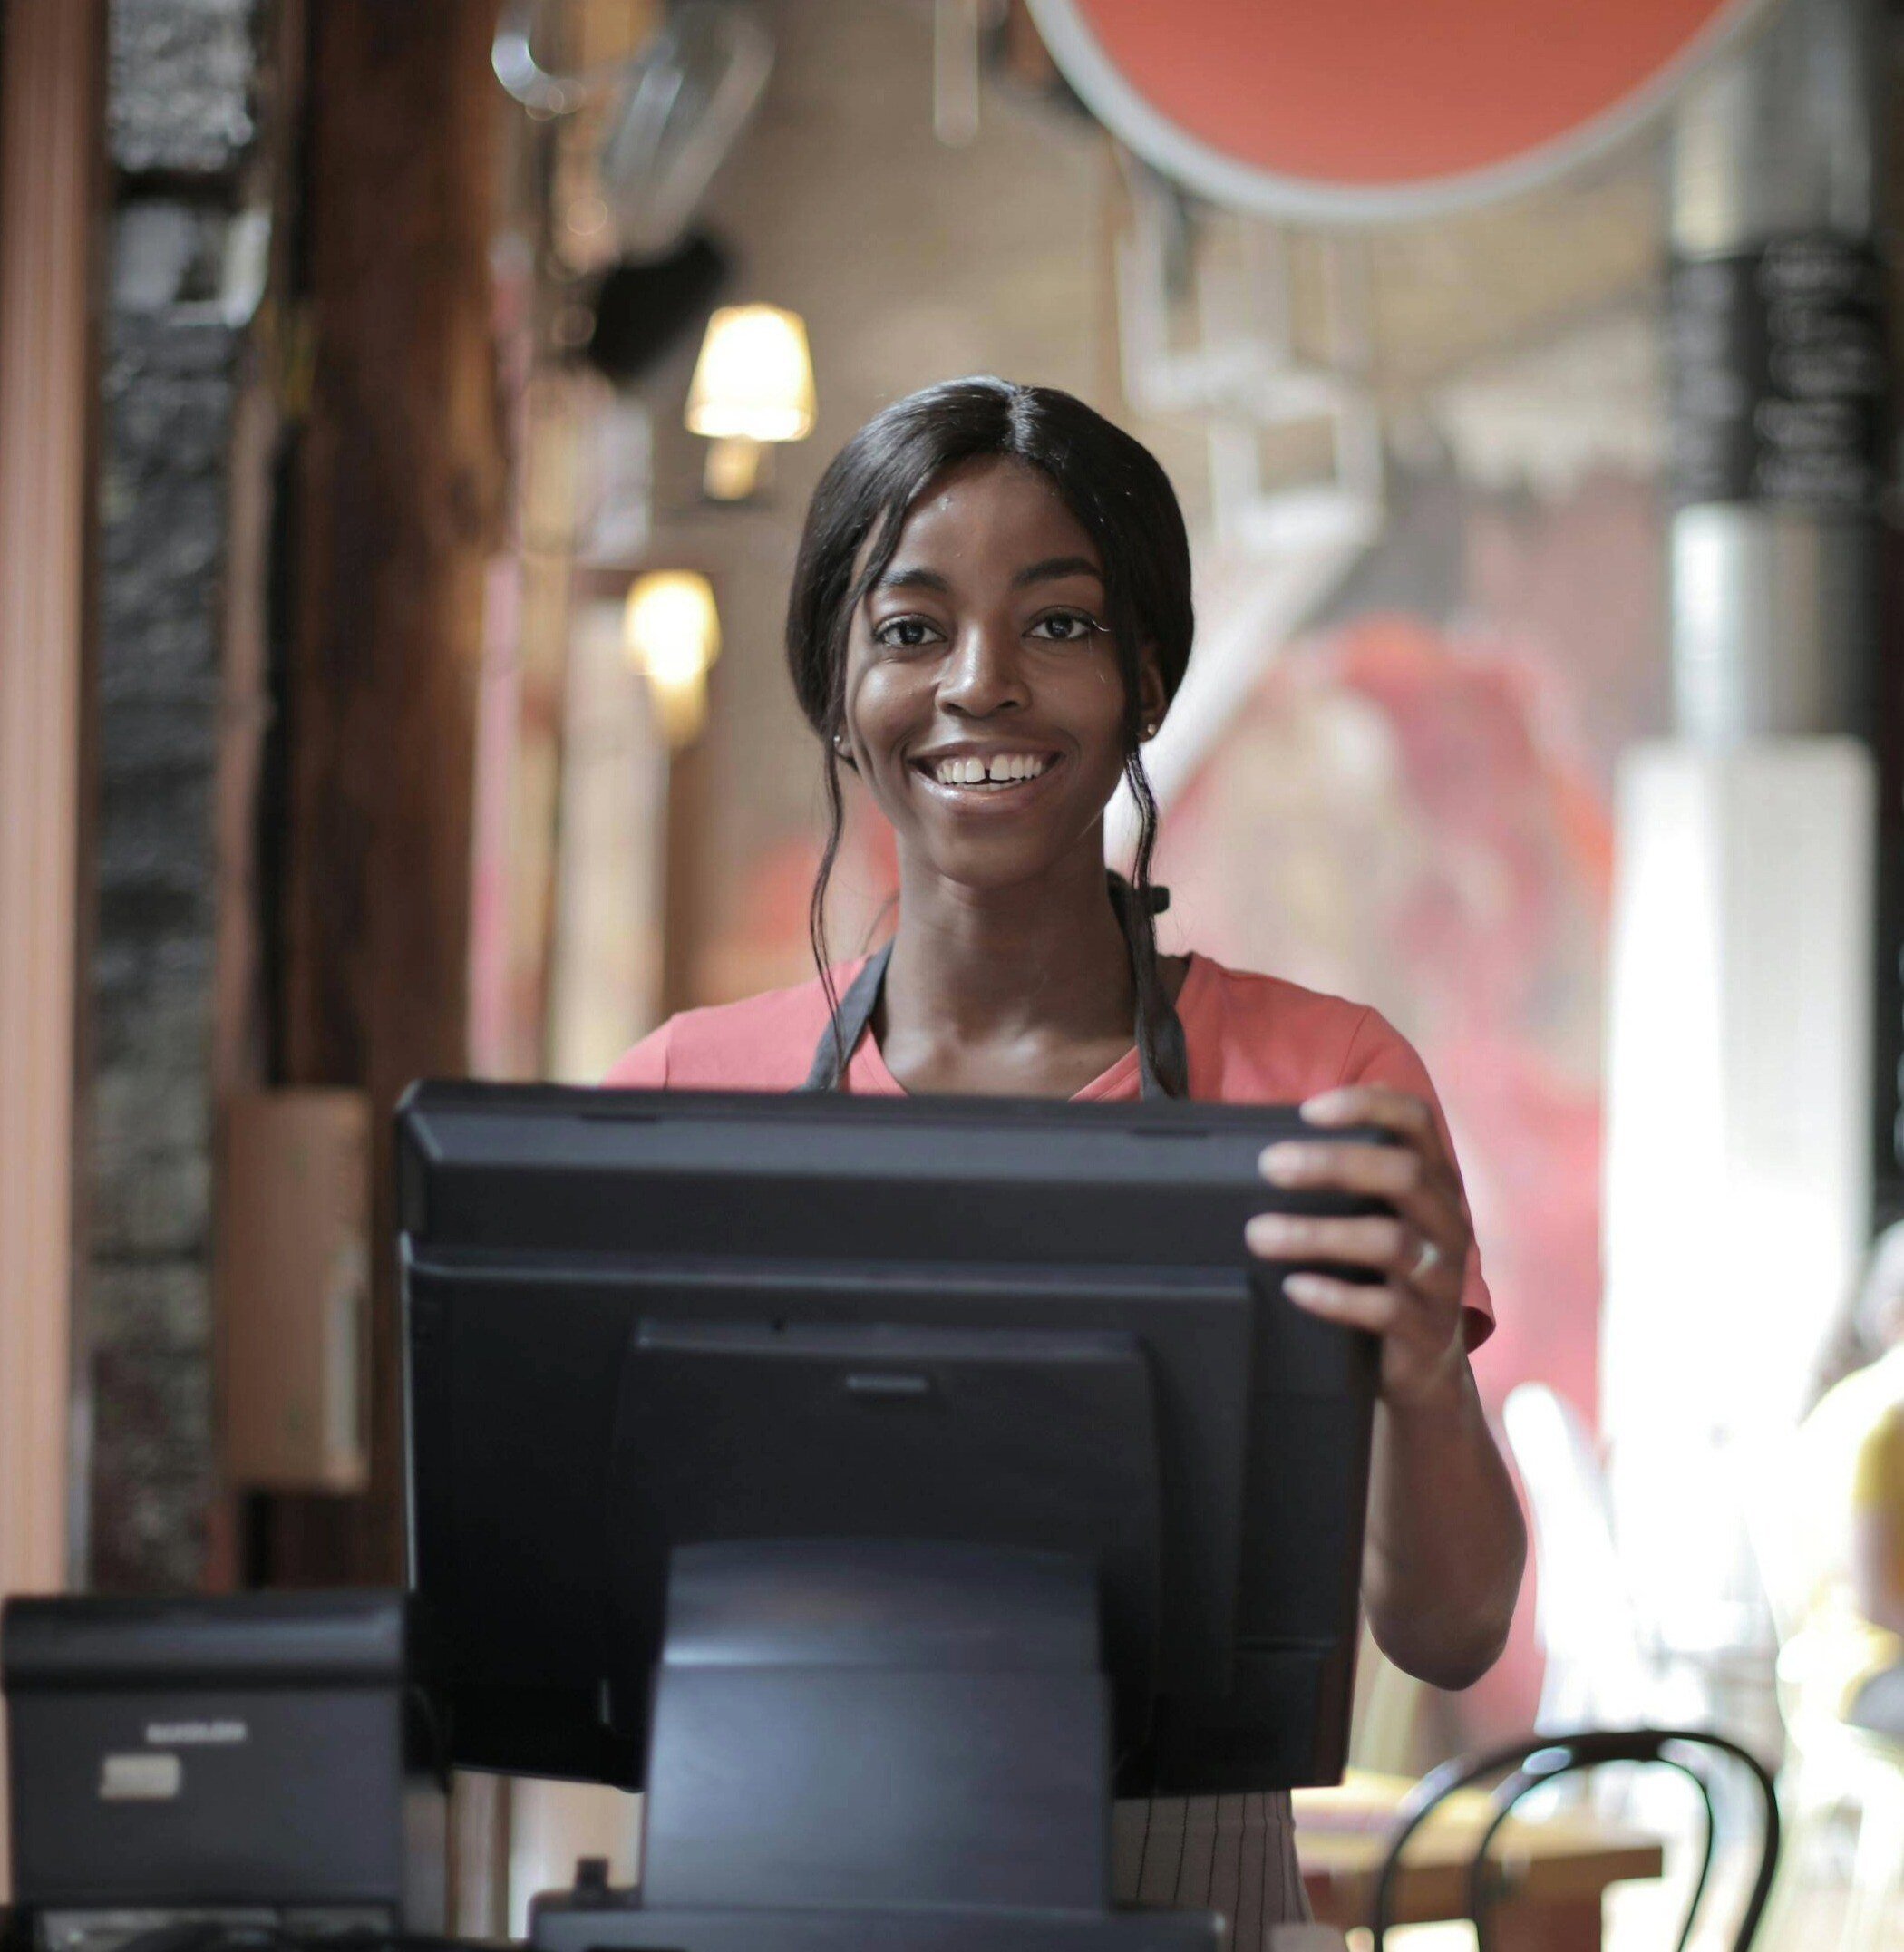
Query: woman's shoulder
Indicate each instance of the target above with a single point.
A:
(761, 1043)
(1263, 1038)
(1253, 993)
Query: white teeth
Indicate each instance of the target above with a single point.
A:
(1003, 770)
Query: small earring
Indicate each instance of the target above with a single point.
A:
(1150, 730)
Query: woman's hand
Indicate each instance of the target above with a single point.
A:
(1445, 1545)
(1421, 1252)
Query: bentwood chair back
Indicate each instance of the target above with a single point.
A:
(1521, 1767)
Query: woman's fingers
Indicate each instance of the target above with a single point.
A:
(1357, 1303)
(1401, 1112)
(1420, 1339)
(1398, 1174)
(1417, 1334)
(1414, 1308)
(1387, 1246)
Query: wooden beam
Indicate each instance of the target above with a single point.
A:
(50, 147)
(400, 487)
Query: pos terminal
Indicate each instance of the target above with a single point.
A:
(880, 1485)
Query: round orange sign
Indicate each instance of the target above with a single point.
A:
(1375, 109)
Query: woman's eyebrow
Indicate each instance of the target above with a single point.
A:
(912, 577)
(917, 577)
(1054, 566)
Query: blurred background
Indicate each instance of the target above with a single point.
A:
(407, 412)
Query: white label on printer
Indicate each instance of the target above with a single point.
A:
(186, 1734)
(142, 1777)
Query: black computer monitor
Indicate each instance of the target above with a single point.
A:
(642, 1322)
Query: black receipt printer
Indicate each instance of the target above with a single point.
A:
(261, 1758)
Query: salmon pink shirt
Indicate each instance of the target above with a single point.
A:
(1251, 1040)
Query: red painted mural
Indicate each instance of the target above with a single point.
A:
(1397, 816)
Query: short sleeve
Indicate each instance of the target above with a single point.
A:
(645, 1067)
(1378, 1053)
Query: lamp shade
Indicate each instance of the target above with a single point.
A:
(753, 381)
(671, 631)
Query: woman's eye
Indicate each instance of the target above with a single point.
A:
(1065, 627)
(905, 633)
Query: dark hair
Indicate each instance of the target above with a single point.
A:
(1120, 496)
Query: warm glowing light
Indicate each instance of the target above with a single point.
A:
(671, 631)
(754, 380)
(671, 625)
(734, 468)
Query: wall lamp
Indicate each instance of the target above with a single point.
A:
(753, 385)
(671, 632)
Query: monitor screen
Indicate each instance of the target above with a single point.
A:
(638, 1322)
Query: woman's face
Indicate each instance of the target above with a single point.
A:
(984, 700)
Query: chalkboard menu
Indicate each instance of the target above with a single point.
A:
(1777, 365)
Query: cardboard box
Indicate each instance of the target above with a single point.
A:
(293, 1290)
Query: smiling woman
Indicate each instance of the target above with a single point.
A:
(990, 570)
(990, 613)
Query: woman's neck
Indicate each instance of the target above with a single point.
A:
(1042, 964)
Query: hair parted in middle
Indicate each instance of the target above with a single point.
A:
(1112, 484)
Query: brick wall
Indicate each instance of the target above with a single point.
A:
(183, 103)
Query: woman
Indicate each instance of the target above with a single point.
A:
(990, 613)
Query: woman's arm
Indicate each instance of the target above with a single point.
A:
(1446, 1544)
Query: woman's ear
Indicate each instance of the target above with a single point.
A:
(1153, 698)
(843, 752)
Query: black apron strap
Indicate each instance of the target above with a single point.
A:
(1167, 1077)
(841, 1038)
(1163, 1060)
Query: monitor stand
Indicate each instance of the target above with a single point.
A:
(859, 1744)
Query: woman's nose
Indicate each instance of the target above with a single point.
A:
(983, 675)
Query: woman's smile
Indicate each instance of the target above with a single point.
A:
(970, 777)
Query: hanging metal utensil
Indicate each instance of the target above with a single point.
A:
(670, 114)
(686, 99)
